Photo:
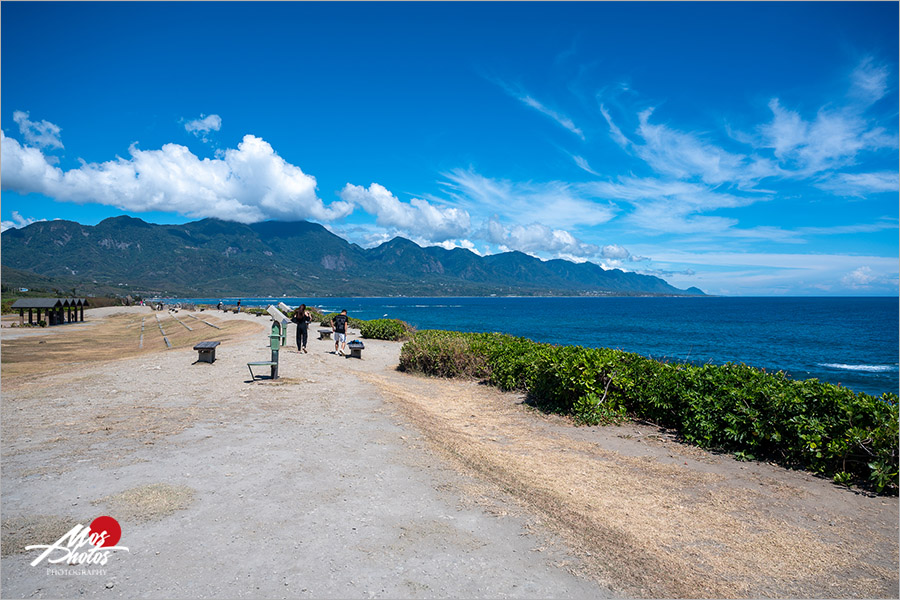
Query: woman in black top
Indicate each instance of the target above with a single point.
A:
(302, 318)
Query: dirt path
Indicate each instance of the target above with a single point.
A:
(311, 486)
(349, 479)
(652, 517)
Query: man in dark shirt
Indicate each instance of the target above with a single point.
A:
(339, 328)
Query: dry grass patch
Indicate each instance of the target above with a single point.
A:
(643, 525)
(151, 502)
(115, 337)
(19, 532)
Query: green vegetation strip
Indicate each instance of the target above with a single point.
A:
(756, 415)
(375, 329)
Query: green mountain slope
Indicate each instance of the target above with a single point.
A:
(214, 257)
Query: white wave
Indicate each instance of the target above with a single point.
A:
(866, 368)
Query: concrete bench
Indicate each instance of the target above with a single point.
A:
(324, 334)
(206, 351)
(356, 348)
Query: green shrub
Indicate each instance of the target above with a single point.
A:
(443, 354)
(385, 329)
(752, 414)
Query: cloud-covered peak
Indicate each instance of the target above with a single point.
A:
(417, 218)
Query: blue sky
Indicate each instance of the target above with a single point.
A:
(743, 148)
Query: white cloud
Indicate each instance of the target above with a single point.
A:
(556, 204)
(18, 221)
(861, 184)
(41, 134)
(583, 164)
(686, 156)
(560, 118)
(764, 273)
(869, 82)
(667, 206)
(418, 218)
(837, 134)
(248, 184)
(617, 252)
(528, 100)
(535, 238)
(465, 244)
(202, 126)
(861, 277)
(614, 131)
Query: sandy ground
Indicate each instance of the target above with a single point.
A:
(348, 479)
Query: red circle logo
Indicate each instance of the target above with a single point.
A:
(110, 527)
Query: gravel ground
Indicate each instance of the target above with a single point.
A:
(309, 486)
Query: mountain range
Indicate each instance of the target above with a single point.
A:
(215, 258)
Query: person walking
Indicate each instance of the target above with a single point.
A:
(339, 329)
(302, 318)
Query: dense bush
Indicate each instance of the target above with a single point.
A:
(827, 429)
(385, 329)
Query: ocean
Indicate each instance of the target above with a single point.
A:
(847, 341)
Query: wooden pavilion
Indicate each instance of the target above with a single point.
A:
(57, 311)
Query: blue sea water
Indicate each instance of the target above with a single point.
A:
(850, 341)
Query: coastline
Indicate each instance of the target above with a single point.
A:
(847, 341)
(631, 511)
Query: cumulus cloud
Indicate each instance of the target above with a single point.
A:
(465, 244)
(41, 134)
(249, 183)
(17, 221)
(859, 278)
(202, 126)
(617, 252)
(535, 238)
(417, 218)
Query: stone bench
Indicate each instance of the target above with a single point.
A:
(324, 334)
(206, 351)
(356, 348)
